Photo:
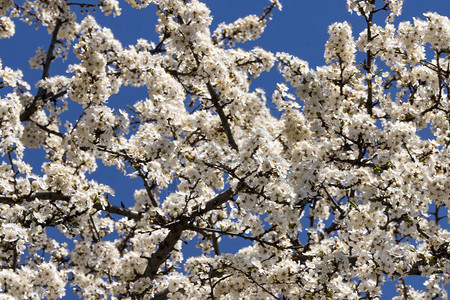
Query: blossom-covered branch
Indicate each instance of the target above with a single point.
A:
(327, 188)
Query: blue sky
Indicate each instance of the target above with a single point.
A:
(300, 29)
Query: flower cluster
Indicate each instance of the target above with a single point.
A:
(7, 28)
(340, 45)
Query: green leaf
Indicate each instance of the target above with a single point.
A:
(377, 170)
(432, 261)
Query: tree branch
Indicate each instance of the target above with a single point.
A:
(223, 118)
(177, 228)
(31, 109)
(161, 295)
(148, 188)
(55, 196)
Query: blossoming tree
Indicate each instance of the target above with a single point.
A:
(335, 195)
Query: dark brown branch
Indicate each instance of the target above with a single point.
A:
(255, 282)
(203, 230)
(54, 196)
(330, 198)
(31, 109)
(229, 36)
(216, 201)
(368, 65)
(177, 228)
(215, 243)
(409, 153)
(48, 130)
(438, 69)
(57, 196)
(223, 118)
(125, 212)
(83, 4)
(161, 295)
(354, 162)
(167, 245)
(164, 249)
(148, 188)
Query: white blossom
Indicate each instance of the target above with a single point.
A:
(325, 189)
(7, 28)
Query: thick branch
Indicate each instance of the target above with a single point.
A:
(368, 66)
(54, 196)
(166, 246)
(176, 230)
(164, 249)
